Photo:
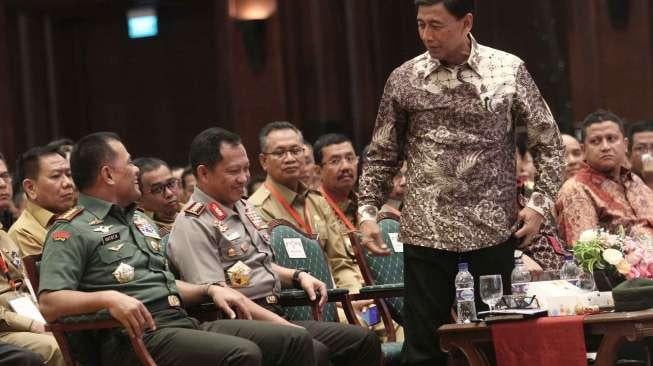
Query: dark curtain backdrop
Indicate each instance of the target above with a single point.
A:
(67, 67)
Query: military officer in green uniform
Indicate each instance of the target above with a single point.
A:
(106, 256)
(220, 238)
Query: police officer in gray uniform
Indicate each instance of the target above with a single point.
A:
(220, 239)
(106, 256)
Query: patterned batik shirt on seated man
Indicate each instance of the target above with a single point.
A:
(591, 199)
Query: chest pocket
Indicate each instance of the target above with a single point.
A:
(114, 252)
(233, 250)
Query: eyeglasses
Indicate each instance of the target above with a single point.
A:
(6, 176)
(337, 160)
(642, 148)
(171, 184)
(295, 152)
(518, 302)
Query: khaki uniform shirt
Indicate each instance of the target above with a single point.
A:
(29, 231)
(9, 320)
(207, 249)
(101, 246)
(323, 222)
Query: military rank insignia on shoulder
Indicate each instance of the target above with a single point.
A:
(69, 215)
(195, 209)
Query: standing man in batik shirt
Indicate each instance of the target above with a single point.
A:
(160, 193)
(44, 174)
(452, 113)
(604, 193)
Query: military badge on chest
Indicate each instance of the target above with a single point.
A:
(239, 275)
(219, 215)
(124, 273)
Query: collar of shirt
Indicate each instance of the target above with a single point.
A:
(625, 174)
(41, 215)
(430, 64)
(201, 197)
(101, 208)
(288, 194)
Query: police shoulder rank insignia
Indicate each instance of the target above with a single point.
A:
(255, 218)
(195, 209)
(60, 235)
(70, 214)
(124, 273)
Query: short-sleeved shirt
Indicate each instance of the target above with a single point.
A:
(324, 222)
(208, 239)
(29, 231)
(93, 246)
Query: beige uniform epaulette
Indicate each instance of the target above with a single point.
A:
(195, 208)
(69, 215)
(258, 197)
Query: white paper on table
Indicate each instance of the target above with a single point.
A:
(396, 244)
(294, 248)
(24, 306)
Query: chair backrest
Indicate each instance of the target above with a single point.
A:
(388, 269)
(31, 264)
(314, 261)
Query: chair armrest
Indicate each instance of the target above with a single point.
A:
(379, 291)
(299, 297)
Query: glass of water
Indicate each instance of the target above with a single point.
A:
(491, 289)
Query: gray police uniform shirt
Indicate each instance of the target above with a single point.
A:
(208, 239)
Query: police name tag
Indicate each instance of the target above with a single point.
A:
(294, 248)
(397, 246)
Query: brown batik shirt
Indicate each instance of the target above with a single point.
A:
(455, 126)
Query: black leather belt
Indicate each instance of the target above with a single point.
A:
(170, 302)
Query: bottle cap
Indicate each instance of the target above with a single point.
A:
(462, 266)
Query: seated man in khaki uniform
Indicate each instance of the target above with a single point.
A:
(105, 256)
(17, 329)
(284, 196)
(160, 192)
(44, 174)
(221, 239)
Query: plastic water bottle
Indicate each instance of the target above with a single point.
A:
(465, 295)
(570, 271)
(519, 279)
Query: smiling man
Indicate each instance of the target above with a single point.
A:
(160, 192)
(284, 196)
(452, 113)
(44, 173)
(604, 193)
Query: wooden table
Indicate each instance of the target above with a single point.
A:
(616, 329)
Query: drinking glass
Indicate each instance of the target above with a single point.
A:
(586, 281)
(491, 289)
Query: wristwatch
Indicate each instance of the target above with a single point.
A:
(367, 213)
(295, 276)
